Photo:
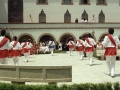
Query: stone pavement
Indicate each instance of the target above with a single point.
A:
(82, 72)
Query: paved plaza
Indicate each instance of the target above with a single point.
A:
(82, 72)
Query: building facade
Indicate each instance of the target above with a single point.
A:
(40, 20)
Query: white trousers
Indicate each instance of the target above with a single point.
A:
(16, 60)
(4, 60)
(71, 51)
(110, 60)
(51, 50)
(26, 57)
(81, 55)
(90, 56)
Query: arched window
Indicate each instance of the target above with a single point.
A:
(15, 11)
(85, 2)
(84, 16)
(67, 2)
(42, 17)
(101, 17)
(101, 2)
(42, 2)
(67, 17)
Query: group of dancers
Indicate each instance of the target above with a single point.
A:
(110, 43)
(14, 49)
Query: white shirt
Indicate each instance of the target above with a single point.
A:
(92, 42)
(27, 46)
(17, 46)
(107, 43)
(78, 43)
(51, 43)
(71, 43)
(6, 46)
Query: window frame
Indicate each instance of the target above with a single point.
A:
(71, 2)
(105, 2)
(88, 2)
(38, 3)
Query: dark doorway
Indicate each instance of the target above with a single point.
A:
(64, 41)
(45, 38)
(25, 37)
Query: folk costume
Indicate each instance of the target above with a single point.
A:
(4, 49)
(89, 48)
(30, 48)
(111, 43)
(51, 46)
(71, 45)
(25, 50)
(15, 51)
(80, 47)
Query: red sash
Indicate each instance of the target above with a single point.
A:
(15, 43)
(28, 43)
(3, 42)
(24, 45)
(80, 42)
(71, 43)
(88, 42)
(112, 40)
(71, 46)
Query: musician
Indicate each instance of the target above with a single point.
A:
(111, 42)
(4, 47)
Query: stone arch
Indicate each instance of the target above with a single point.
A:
(101, 17)
(84, 35)
(102, 36)
(67, 17)
(84, 15)
(67, 35)
(27, 36)
(15, 11)
(46, 34)
(42, 17)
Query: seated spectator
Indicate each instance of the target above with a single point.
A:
(82, 20)
(44, 49)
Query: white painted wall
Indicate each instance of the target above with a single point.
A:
(55, 10)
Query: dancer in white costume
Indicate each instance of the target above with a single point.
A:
(80, 47)
(15, 50)
(111, 43)
(71, 45)
(89, 47)
(51, 45)
(4, 47)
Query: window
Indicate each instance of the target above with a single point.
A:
(67, 17)
(84, 16)
(101, 17)
(86, 2)
(101, 2)
(42, 2)
(67, 2)
(15, 11)
(42, 17)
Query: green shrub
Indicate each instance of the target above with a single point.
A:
(59, 51)
(116, 86)
(86, 86)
